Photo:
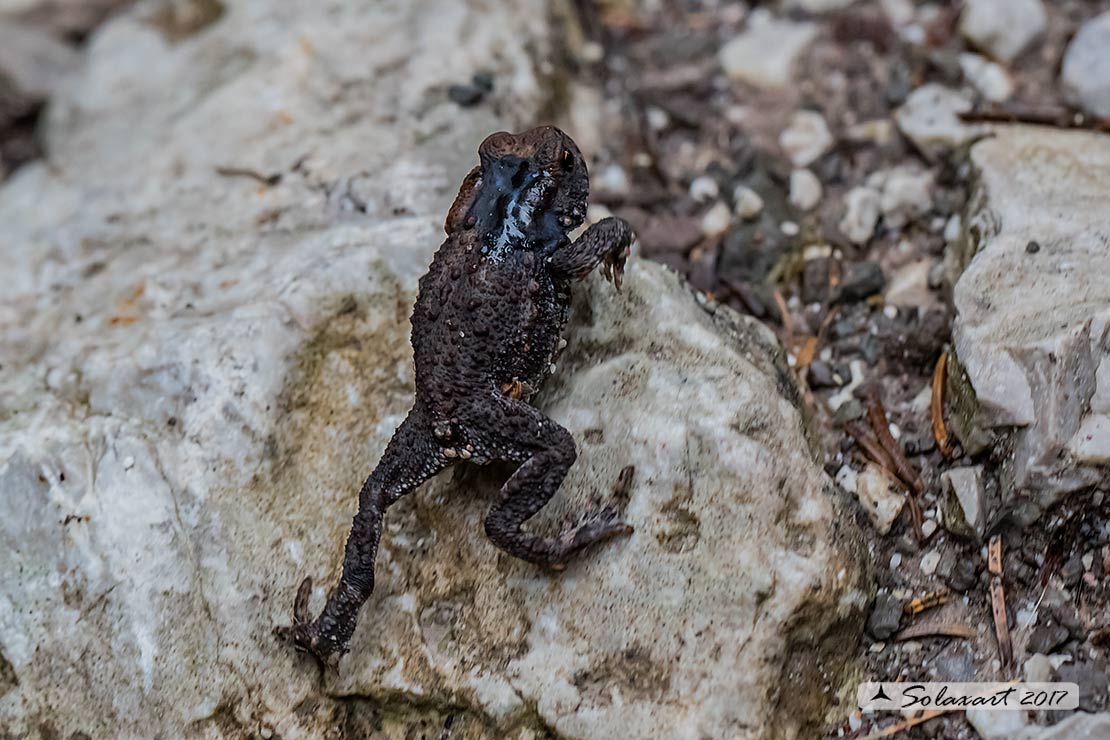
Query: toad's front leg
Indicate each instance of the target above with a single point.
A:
(605, 243)
(411, 457)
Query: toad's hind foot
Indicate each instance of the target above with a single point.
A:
(594, 529)
(305, 634)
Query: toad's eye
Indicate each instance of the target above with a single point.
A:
(568, 158)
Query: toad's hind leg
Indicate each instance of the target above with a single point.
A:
(411, 457)
(545, 452)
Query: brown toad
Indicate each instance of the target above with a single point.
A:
(485, 329)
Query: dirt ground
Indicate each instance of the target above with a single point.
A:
(865, 323)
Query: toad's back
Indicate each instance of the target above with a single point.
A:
(480, 323)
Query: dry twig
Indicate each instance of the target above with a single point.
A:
(869, 445)
(268, 180)
(1054, 118)
(936, 406)
(876, 414)
(998, 602)
(939, 629)
(905, 724)
(928, 601)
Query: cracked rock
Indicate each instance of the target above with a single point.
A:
(1032, 326)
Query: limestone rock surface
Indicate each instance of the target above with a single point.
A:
(1032, 330)
(198, 369)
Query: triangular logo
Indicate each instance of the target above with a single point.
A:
(880, 694)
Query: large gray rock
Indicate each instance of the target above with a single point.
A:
(1032, 330)
(768, 51)
(1003, 28)
(1086, 68)
(1079, 726)
(199, 370)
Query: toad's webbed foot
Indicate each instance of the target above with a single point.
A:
(598, 526)
(305, 634)
(519, 433)
(595, 528)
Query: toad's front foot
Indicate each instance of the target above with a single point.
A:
(307, 635)
(612, 266)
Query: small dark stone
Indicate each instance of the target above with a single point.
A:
(1093, 688)
(862, 281)
(821, 375)
(815, 280)
(885, 617)
(919, 445)
(848, 327)
(870, 349)
(466, 95)
(956, 662)
(483, 80)
(1019, 572)
(1046, 637)
(963, 576)
(1072, 570)
(1067, 617)
(848, 411)
(1032, 247)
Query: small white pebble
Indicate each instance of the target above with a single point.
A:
(847, 478)
(878, 647)
(738, 115)
(1088, 560)
(929, 562)
(928, 527)
(1025, 617)
(891, 312)
(805, 189)
(895, 430)
(895, 560)
(716, 220)
(789, 228)
(747, 202)
(128, 462)
(658, 118)
(612, 179)
(592, 52)
(704, 189)
(816, 251)
(952, 228)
